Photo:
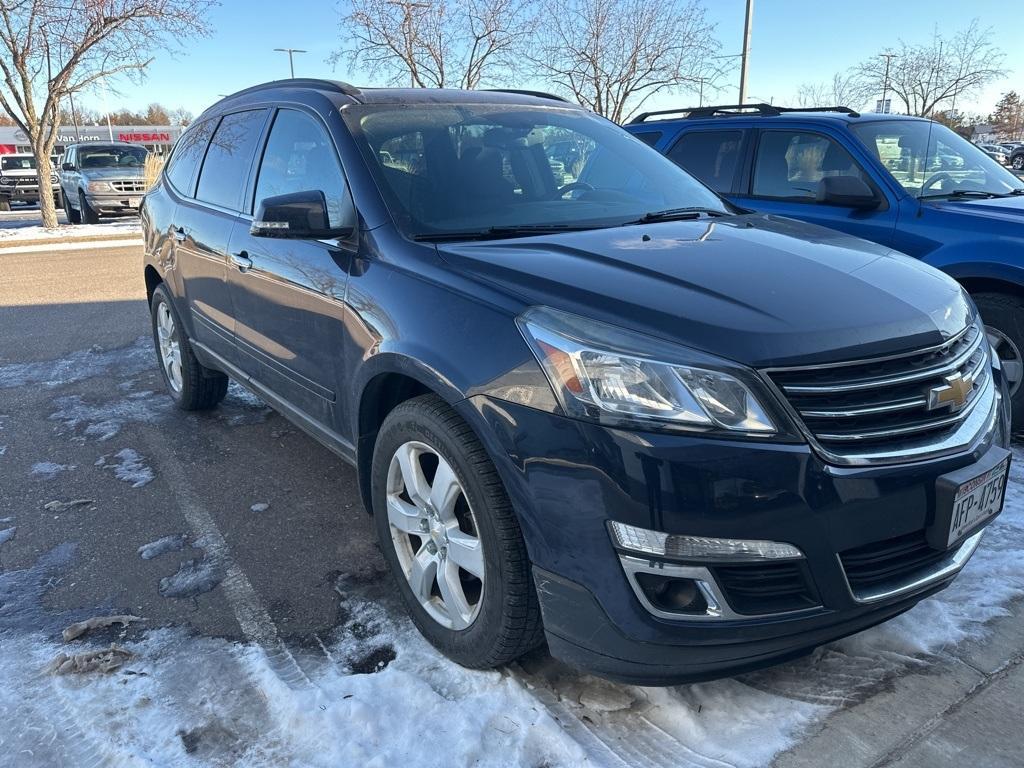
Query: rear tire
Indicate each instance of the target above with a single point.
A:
(450, 530)
(86, 212)
(1004, 317)
(193, 386)
(74, 217)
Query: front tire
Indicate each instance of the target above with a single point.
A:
(1004, 321)
(451, 538)
(73, 216)
(86, 212)
(5, 204)
(1018, 163)
(193, 386)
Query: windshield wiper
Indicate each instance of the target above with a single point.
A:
(524, 230)
(672, 214)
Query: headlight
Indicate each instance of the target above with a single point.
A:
(603, 373)
(99, 186)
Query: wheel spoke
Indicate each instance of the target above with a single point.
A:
(445, 490)
(405, 517)
(465, 551)
(412, 474)
(422, 575)
(459, 610)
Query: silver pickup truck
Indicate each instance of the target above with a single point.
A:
(19, 183)
(102, 179)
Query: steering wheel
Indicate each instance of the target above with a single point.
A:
(573, 186)
(934, 179)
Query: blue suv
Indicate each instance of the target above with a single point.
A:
(588, 402)
(906, 183)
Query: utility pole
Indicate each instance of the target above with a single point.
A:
(746, 50)
(885, 81)
(291, 60)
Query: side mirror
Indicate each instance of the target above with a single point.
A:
(847, 191)
(67, 166)
(299, 215)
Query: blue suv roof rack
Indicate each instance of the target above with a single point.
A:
(737, 110)
(305, 82)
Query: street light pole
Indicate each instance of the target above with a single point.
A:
(885, 81)
(748, 21)
(291, 61)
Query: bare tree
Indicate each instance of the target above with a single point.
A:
(52, 48)
(928, 76)
(614, 55)
(846, 89)
(434, 43)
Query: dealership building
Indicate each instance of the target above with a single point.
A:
(156, 138)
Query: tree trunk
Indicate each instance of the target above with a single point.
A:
(44, 168)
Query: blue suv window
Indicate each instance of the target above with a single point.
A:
(226, 167)
(711, 156)
(790, 164)
(189, 150)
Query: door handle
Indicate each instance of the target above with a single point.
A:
(179, 235)
(242, 261)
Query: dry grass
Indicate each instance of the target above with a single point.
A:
(151, 170)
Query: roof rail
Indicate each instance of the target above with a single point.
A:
(304, 82)
(738, 110)
(522, 92)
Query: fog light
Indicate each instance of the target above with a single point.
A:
(649, 542)
(671, 594)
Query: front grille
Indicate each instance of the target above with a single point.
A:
(889, 561)
(878, 404)
(137, 185)
(767, 588)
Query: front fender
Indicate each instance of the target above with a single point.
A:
(985, 259)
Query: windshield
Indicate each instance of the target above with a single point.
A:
(111, 157)
(20, 163)
(931, 161)
(476, 167)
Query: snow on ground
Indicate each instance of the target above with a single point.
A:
(49, 469)
(130, 466)
(111, 229)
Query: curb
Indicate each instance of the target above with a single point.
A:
(15, 243)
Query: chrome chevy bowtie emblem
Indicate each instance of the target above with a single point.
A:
(953, 394)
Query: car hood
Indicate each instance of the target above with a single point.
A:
(105, 174)
(760, 290)
(1004, 208)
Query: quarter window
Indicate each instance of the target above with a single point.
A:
(187, 154)
(226, 167)
(791, 164)
(711, 156)
(299, 158)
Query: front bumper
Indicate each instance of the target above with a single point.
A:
(568, 478)
(23, 192)
(114, 202)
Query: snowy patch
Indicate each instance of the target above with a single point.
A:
(7, 534)
(102, 421)
(261, 506)
(131, 467)
(3, 450)
(193, 578)
(49, 470)
(77, 366)
(172, 543)
(241, 407)
(69, 232)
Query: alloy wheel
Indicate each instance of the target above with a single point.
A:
(1009, 357)
(435, 535)
(170, 347)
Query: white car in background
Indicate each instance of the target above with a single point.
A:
(19, 183)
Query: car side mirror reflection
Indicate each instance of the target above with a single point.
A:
(298, 215)
(847, 191)
(67, 166)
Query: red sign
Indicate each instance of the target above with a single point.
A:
(150, 137)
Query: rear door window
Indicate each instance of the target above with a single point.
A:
(188, 152)
(711, 156)
(222, 180)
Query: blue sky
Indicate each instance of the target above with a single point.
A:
(794, 41)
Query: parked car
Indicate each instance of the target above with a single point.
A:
(102, 179)
(1017, 158)
(19, 182)
(996, 152)
(876, 177)
(674, 440)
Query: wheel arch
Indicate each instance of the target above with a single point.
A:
(153, 279)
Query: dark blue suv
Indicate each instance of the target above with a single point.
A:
(904, 182)
(588, 401)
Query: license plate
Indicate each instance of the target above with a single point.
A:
(134, 202)
(976, 501)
